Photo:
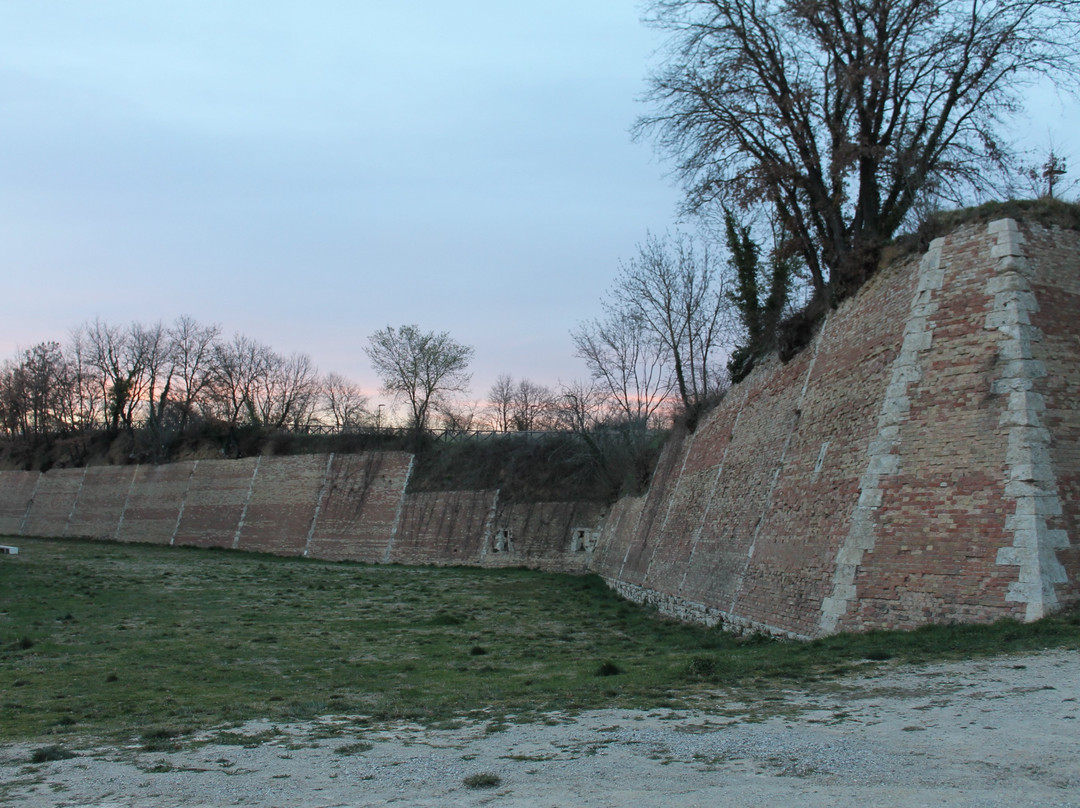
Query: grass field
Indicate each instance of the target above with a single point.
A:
(121, 642)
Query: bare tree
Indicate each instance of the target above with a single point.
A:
(423, 367)
(159, 367)
(36, 392)
(628, 360)
(523, 405)
(193, 349)
(501, 403)
(581, 406)
(343, 403)
(239, 366)
(534, 406)
(88, 390)
(456, 416)
(839, 114)
(672, 291)
(118, 359)
(284, 395)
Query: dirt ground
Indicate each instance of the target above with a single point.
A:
(1000, 732)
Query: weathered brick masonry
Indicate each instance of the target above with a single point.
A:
(54, 500)
(334, 507)
(360, 506)
(155, 503)
(16, 494)
(918, 462)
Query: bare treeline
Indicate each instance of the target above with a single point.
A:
(166, 378)
(522, 405)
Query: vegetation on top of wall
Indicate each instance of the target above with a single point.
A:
(797, 329)
(1045, 211)
(599, 466)
(558, 466)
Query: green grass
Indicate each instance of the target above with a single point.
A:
(109, 641)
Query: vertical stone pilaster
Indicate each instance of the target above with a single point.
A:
(75, 500)
(127, 501)
(488, 535)
(318, 504)
(1030, 480)
(247, 501)
(672, 499)
(30, 503)
(183, 502)
(882, 455)
(398, 512)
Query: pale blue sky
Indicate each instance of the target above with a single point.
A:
(306, 173)
(309, 172)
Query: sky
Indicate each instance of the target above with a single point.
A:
(307, 173)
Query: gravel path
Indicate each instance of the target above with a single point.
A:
(1002, 732)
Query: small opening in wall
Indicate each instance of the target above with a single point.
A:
(503, 537)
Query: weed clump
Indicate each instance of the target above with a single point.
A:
(354, 748)
(44, 754)
(701, 667)
(482, 780)
(161, 739)
(608, 669)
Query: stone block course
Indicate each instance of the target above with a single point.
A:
(281, 509)
(445, 527)
(542, 535)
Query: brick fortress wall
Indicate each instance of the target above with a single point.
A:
(334, 507)
(918, 462)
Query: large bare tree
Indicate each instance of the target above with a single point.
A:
(522, 405)
(674, 291)
(501, 403)
(840, 114)
(37, 393)
(285, 394)
(629, 363)
(240, 365)
(117, 358)
(422, 367)
(193, 350)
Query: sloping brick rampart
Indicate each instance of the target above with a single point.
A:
(918, 462)
(100, 502)
(155, 503)
(55, 497)
(333, 507)
(360, 508)
(16, 493)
